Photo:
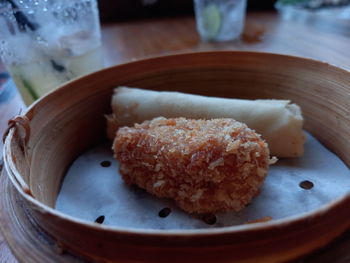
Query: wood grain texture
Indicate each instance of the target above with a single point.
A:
(135, 40)
(264, 31)
(5, 255)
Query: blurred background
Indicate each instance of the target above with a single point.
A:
(138, 9)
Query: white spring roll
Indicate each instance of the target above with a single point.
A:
(279, 122)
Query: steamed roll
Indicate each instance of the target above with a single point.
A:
(278, 121)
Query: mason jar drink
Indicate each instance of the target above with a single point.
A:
(45, 43)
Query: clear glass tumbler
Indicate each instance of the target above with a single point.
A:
(11, 104)
(44, 43)
(220, 20)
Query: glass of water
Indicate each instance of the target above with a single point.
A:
(45, 43)
(220, 20)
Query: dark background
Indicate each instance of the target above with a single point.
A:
(114, 10)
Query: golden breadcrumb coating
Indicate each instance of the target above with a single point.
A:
(204, 165)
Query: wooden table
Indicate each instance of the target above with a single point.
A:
(266, 32)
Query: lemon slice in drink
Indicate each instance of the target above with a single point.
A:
(211, 17)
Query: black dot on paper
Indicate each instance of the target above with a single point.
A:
(100, 219)
(210, 219)
(164, 212)
(105, 163)
(307, 185)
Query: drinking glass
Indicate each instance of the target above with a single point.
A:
(44, 43)
(220, 20)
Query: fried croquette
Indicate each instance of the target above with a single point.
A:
(206, 166)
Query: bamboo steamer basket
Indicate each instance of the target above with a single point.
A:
(44, 141)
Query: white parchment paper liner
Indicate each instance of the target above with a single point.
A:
(90, 190)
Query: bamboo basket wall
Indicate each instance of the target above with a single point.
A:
(43, 142)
